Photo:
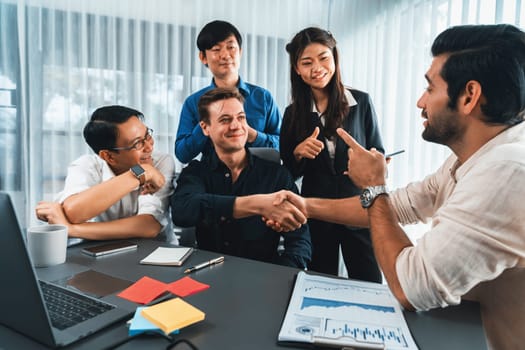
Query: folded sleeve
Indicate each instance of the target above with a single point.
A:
(157, 204)
(83, 173)
(474, 238)
(418, 201)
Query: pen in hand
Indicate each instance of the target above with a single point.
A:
(394, 153)
(205, 264)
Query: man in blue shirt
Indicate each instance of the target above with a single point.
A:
(225, 194)
(220, 45)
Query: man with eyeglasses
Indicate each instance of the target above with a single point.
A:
(122, 190)
(220, 50)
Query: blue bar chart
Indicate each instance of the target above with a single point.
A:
(366, 333)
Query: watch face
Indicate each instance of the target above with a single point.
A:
(370, 194)
(366, 198)
(139, 173)
(137, 170)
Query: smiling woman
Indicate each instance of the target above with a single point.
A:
(310, 147)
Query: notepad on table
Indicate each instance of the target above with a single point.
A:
(144, 290)
(172, 314)
(186, 286)
(168, 256)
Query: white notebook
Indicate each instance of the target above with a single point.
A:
(168, 256)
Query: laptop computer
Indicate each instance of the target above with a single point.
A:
(29, 306)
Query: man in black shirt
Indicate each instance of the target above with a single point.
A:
(226, 195)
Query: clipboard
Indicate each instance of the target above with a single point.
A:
(318, 341)
(340, 313)
(327, 342)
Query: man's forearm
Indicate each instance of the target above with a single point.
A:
(388, 240)
(245, 206)
(144, 226)
(345, 211)
(87, 204)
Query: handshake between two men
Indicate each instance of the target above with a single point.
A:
(366, 169)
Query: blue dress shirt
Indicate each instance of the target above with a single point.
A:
(261, 111)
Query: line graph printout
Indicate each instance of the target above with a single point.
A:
(334, 311)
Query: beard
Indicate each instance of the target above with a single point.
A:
(444, 128)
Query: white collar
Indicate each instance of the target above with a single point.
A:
(349, 97)
(107, 173)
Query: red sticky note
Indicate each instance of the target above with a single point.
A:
(186, 286)
(144, 290)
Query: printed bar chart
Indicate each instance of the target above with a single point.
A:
(332, 311)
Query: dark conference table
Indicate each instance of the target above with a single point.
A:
(244, 305)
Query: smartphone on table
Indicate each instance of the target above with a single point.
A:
(109, 248)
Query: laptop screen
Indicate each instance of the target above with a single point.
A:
(21, 299)
(22, 296)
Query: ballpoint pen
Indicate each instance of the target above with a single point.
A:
(394, 153)
(205, 264)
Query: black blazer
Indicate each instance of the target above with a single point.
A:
(322, 177)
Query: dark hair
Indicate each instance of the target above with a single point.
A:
(215, 32)
(301, 92)
(101, 132)
(494, 56)
(213, 95)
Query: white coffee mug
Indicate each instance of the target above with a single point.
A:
(47, 244)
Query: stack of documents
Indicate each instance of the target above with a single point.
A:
(172, 315)
(329, 311)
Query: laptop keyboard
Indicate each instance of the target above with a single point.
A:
(67, 308)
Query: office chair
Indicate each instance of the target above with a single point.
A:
(266, 153)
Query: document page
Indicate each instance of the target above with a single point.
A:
(332, 311)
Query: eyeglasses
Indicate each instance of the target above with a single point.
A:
(138, 145)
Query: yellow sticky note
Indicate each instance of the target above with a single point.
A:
(172, 314)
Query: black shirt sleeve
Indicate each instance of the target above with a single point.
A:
(191, 203)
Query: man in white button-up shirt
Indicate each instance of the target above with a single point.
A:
(474, 104)
(122, 190)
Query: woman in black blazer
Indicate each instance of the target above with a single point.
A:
(310, 147)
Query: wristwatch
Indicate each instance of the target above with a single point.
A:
(139, 173)
(370, 194)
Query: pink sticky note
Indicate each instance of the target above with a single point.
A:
(186, 286)
(144, 290)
